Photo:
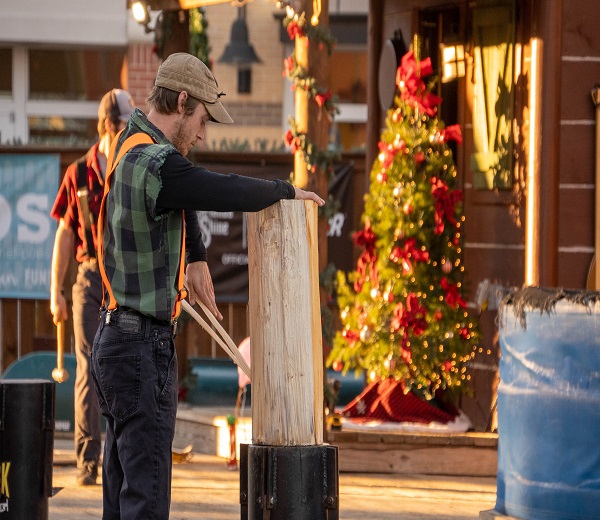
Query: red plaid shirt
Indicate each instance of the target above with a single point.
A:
(67, 207)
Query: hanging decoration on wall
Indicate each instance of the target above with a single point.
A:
(297, 27)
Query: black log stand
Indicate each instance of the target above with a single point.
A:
(26, 444)
(289, 482)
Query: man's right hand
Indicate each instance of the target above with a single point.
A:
(58, 308)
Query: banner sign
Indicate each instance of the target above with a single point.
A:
(28, 186)
(225, 238)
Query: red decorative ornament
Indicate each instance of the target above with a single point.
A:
(322, 98)
(337, 365)
(288, 65)
(408, 208)
(350, 335)
(419, 157)
(293, 30)
(447, 267)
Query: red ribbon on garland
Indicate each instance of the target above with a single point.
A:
(412, 88)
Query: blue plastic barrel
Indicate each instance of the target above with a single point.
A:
(549, 405)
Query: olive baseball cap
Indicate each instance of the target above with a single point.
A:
(182, 71)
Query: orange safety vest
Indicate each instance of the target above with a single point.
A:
(130, 142)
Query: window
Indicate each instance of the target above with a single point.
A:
(348, 82)
(73, 74)
(51, 96)
(6, 75)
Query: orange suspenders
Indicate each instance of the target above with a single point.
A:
(130, 142)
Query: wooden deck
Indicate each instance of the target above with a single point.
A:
(453, 454)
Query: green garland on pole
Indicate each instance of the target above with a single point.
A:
(199, 45)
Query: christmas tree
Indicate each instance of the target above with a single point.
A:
(402, 310)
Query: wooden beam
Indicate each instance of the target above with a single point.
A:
(285, 329)
(374, 44)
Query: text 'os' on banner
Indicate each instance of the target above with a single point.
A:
(28, 185)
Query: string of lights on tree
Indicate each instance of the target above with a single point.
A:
(402, 310)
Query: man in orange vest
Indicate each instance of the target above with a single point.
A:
(148, 217)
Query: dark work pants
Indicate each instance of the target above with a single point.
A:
(134, 366)
(87, 292)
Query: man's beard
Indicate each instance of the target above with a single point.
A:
(178, 138)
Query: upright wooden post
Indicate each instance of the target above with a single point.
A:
(285, 329)
(286, 473)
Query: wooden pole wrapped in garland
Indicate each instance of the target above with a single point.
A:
(308, 69)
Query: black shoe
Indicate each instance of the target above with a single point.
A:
(87, 475)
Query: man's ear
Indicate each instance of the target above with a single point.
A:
(109, 126)
(181, 100)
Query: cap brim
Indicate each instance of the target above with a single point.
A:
(217, 113)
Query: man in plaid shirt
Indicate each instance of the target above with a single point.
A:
(134, 363)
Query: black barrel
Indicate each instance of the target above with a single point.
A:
(26, 444)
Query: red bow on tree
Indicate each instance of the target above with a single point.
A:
(452, 297)
(409, 316)
(445, 203)
(406, 252)
(365, 238)
(412, 88)
(451, 133)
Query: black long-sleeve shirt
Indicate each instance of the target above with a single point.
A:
(185, 185)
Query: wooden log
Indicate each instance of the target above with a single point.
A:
(285, 328)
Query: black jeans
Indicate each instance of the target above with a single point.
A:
(134, 366)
